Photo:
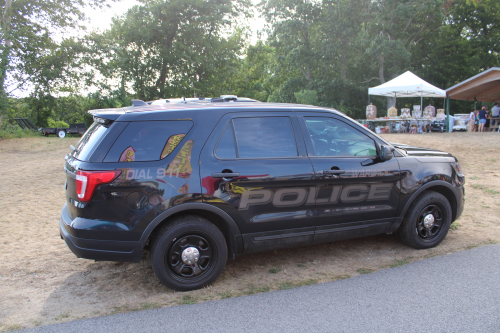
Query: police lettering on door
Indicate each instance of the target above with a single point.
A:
(290, 197)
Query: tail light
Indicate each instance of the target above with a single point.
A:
(87, 182)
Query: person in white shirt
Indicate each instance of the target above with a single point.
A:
(495, 113)
(472, 121)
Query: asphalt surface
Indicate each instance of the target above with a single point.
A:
(459, 292)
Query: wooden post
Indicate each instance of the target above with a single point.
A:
(447, 113)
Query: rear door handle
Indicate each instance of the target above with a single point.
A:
(333, 172)
(225, 174)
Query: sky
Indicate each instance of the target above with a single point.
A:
(101, 18)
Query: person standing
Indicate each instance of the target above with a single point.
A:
(495, 113)
(482, 119)
(472, 121)
(488, 120)
(495, 110)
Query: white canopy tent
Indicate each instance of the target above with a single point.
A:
(407, 85)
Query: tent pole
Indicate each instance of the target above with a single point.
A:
(447, 113)
(421, 104)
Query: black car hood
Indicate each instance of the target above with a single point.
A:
(425, 154)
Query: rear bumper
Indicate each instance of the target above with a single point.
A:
(98, 249)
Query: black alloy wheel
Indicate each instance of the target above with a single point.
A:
(188, 253)
(200, 261)
(427, 221)
(427, 230)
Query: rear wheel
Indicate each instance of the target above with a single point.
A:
(427, 221)
(188, 253)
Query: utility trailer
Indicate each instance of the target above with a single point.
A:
(79, 128)
(26, 124)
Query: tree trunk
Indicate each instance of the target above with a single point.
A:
(4, 58)
(160, 83)
(391, 101)
(381, 69)
(307, 73)
(343, 61)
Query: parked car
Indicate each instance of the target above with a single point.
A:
(197, 183)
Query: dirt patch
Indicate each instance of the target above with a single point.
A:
(42, 282)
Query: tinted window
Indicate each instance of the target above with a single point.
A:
(331, 137)
(147, 140)
(264, 137)
(226, 147)
(89, 141)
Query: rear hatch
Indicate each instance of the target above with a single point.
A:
(87, 155)
(95, 190)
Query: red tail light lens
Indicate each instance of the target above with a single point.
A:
(87, 182)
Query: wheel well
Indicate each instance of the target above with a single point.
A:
(448, 195)
(212, 217)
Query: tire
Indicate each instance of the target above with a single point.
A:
(413, 230)
(181, 237)
(61, 133)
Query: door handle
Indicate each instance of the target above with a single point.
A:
(333, 172)
(225, 174)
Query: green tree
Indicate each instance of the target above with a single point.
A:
(294, 32)
(165, 48)
(27, 35)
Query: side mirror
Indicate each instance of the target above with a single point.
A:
(385, 153)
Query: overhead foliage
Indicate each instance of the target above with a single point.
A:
(28, 49)
(164, 48)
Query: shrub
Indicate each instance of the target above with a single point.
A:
(57, 124)
(11, 131)
(309, 97)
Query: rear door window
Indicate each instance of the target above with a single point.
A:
(148, 140)
(257, 137)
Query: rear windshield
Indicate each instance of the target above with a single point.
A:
(148, 140)
(89, 141)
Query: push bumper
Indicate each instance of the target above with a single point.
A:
(97, 249)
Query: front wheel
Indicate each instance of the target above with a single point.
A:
(61, 133)
(189, 253)
(427, 221)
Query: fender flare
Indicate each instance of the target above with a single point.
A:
(424, 188)
(234, 232)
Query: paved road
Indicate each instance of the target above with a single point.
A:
(454, 293)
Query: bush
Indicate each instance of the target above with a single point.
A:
(57, 124)
(309, 97)
(14, 131)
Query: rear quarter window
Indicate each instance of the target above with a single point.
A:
(148, 140)
(89, 141)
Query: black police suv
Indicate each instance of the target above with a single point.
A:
(195, 183)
